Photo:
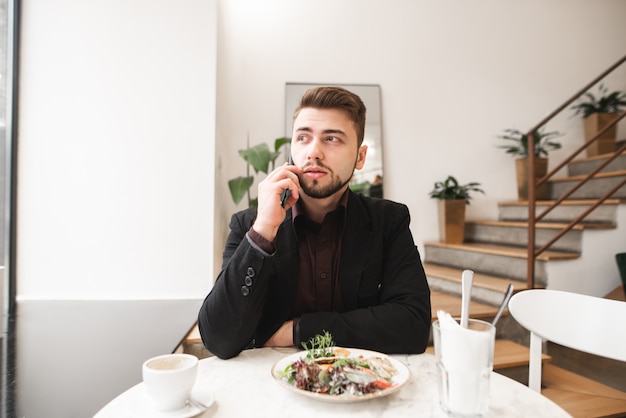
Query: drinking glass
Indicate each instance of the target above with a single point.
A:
(465, 362)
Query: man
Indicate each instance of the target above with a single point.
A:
(329, 260)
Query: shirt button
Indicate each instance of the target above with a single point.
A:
(248, 281)
(245, 290)
(250, 272)
(323, 238)
(323, 275)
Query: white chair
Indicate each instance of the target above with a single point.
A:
(584, 323)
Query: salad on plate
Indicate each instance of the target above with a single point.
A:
(325, 369)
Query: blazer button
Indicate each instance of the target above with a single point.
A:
(248, 281)
(245, 290)
(251, 272)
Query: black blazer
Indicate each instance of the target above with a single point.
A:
(385, 293)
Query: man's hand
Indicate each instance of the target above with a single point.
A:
(283, 337)
(270, 213)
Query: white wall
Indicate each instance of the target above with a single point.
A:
(116, 179)
(453, 75)
(116, 146)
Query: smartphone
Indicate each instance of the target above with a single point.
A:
(286, 193)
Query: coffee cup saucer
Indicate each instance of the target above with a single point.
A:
(140, 405)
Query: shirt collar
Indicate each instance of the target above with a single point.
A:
(298, 210)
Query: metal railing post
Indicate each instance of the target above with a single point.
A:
(530, 270)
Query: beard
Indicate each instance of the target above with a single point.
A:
(317, 191)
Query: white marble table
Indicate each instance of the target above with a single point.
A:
(243, 386)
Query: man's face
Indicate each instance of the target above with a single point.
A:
(324, 146)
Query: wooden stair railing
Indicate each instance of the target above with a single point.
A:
(533, 218)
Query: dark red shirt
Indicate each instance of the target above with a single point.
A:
(319, 255)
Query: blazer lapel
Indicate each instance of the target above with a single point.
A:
(354, 250)
(287, 260)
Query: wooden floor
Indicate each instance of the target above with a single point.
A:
(580, 396)
(609, 372)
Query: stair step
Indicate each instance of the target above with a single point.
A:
(603, 216)
(601, 175)
(515, 233)
(507, 354)
(480, 280)
(589, 164)
(194, 336)
(486, 288)
(581, 396)
(511, 354)
(565, 202)
(505, 250)
(452, 305)
(192, 344)
(600, 184)
(543, 225)
(498, 260)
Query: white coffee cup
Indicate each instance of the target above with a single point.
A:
(169, 379)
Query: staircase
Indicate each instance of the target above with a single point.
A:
(496, 250)
(497, 253)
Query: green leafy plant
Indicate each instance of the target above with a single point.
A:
(605, 102)
(319, 346)
(259, 157)
(450, 189)
(543, 142)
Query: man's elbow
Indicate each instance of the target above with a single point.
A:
(218, 346)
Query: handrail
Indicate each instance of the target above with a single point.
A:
(580, 149)
(579, 185)
(580, 217)
(533, 218)
(578, 94)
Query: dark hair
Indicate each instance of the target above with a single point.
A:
(336, 98)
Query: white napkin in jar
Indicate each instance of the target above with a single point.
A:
(466, 355)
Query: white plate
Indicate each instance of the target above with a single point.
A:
(397, 381)
(140, 406)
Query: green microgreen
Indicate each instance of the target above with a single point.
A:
(319, 346)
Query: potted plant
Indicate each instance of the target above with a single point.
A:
(452, 198)
(597, 113)
(259, 157)
(518, 147)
